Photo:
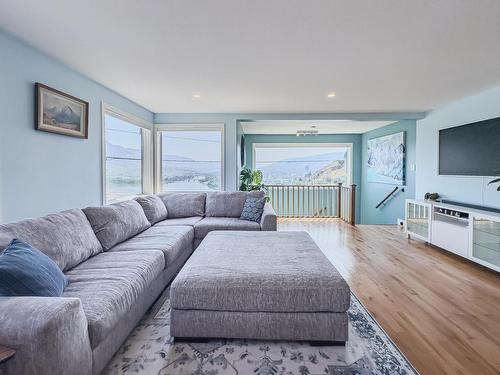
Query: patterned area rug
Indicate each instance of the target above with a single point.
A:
(149, 351)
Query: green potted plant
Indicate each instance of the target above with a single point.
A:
(251, 180)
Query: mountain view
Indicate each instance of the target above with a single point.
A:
(185, 174)
(328, 168)
(123, 171)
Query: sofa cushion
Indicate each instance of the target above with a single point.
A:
(26, 271)
(171, 240)
(208, 224)
(191, 221)
(253, 209)
(66, 237)
(184, 204)
(228, 204)
(117, 222)
(109, 284)
(153, 207)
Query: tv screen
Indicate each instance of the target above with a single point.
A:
(470, 150)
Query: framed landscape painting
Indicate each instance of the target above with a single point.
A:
(57, 112)
(386, 159)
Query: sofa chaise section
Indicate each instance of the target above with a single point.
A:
(109, 284)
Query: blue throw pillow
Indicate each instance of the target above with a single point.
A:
(26, 271)
(253, 209)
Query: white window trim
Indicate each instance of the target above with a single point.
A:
(147, 146)
(347, 145)
(158, 128)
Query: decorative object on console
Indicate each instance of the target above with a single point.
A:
(431, 197)
(26, 271)
(386, 159)
(58, 112)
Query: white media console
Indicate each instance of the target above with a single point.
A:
(471, 233)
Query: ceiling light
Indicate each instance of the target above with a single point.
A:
(196, 96)
(307, 132)
(331, 95)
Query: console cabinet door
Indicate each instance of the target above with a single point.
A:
(418, 219)
(485, 247)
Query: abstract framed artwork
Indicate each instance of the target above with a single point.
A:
(58, 112)
(386, 159)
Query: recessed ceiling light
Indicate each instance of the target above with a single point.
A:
(196, 96)
(331, 95)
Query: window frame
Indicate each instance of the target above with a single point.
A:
(348, 145)
(147, 129)
(158, 128)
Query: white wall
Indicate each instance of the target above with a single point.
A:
(465, 189)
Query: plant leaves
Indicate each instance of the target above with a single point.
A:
(494, 181)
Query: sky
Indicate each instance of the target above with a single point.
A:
(122, 133)
(202, 145)
(282, 153)
(197, 145)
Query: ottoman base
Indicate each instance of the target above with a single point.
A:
(204, 340)
(316, 327)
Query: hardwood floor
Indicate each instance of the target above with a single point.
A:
(442, 311)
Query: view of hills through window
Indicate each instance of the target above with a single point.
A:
(123, 159)
(191, 160)
(302, 165)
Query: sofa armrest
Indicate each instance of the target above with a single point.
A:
(268, 219)
(49, 334)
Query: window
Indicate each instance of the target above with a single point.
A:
(303, 164)
(191, 157)
(127, 153)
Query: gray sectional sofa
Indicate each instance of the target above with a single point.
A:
(118, 259)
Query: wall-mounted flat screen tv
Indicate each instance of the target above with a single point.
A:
(470, 150)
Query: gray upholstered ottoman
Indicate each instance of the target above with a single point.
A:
(259, 285)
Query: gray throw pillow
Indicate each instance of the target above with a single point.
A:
(153, 207)
(66, 237)
(253, 209)
(116, 222)
(184, 204)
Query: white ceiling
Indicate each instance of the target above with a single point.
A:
(271, 56)
(323, 127)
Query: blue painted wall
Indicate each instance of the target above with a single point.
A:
(373, 193)
(42, 172)
(476, 190)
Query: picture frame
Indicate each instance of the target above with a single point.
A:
(60, 113)
(386, 162)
